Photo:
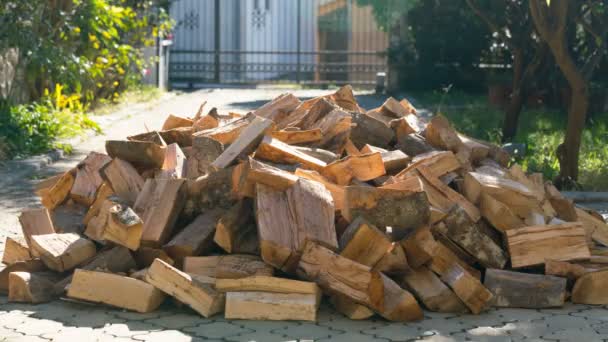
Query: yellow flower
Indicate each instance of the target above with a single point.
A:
(121, 71)
(76, 29)
(46, 91)
(106, 35)
(99, 85)
(96, 45)
(115, 83)
(92, 38)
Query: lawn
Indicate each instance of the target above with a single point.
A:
(542, 129)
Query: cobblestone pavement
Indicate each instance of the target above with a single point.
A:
(68, 321)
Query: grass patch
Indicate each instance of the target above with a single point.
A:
(540, 128)
(136, 94)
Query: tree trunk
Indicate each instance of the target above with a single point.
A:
(509, 128)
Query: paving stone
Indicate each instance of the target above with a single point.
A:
(525, 330)
(600, 314)
(576, 335)
(600, 328)
(481, 337)
(69, 334)
(488, 334)
(24, 339)
(264, 326)
(442, 326)
(437, 338)
(136, 316)
(12, 319)
(444, 315)
(353, 337)
(305, 331)
(129, 329)
(5, 333)
(93, 319)
(163, 336)
(568, 308)
(512, 314)
(218, 330)
(265, 336)
(485, 319)
(347, 325)
(38, 327)
(567, 322)
(176, 321)
(396, 332)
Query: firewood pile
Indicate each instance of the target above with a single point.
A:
(263, 215)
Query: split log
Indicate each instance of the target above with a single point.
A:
(203, 298)
(68, 217)
(564, 269)
(298, 137)
(431, 291)
(272, 306)
(145, 256)
(116, 290)
(438, 163)
(395, 161)
(287, 218)
(31, 287)
(318, 153)
(88, 178)
(337, 191)
(123, 179)
(591, 289)
(228, 133)
(59, 192)
(369, 130)
(174, 165)
(350, 308)
(401, 210)
(267, 284)
(104, 192)
(498, 214)
(118, 223)
(33, 265)
(419, 247)
(335, 130)
(393, 262)
(174, 121)
(62, 252)
(440, 134)
(529, 246)
(413, 144)
(363, 243)
(236, 231)
(231, 266)
(158, 204)
(364, 167)
(472, 293)
(598, 228)
(15, 250)
(524, 290)
(207, 121)
(345, 98)
(253, 171)
(245, 144)
(204, 151)
(391, 301)
(277, 109)
(470, 237)
(139, 153)
(209, 191)
(196, 238)
(278, 152)
(42, 187)
(35, 222)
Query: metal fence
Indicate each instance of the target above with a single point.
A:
(271, 41)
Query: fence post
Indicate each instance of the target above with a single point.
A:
(218, 45)
(298, 39)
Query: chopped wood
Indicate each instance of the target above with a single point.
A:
(318, 153)
(35, 222)
(15, 250)
(277, 109)
(123, 179)
(564, 269)
(369, 130)
(278, 152)
(419, 247)
(174, 165)
(286, 219)
(245, 144)
(598, 228)
(88, 178)
(145, 256)
(42, 188)
(33, 265)
(254, 172)
(232, 266)
(202, 298)
(229, 132)
(591, 288)
(472, 293)
(236, 231)
(523, 290)
(350, 308)
(335, 130)
(431, 291)
(272, 306)
(401, 210)
(298, 137)
(393, 262)
(337, 191)
(58, 193)
(195, 238)
(103, 193)
(364, 243)
(118, 223)
(158, 204)
(363, 167)
(267, 284)
(498, 213)
(204, 151)
(31, 287)
(116, 290)
(413, 144)
(62, 252)
(140, 153)
(174, 121)
(395, 161)
(529, 246)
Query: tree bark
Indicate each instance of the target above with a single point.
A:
(509, 128)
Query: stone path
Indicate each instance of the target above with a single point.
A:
(67, 321)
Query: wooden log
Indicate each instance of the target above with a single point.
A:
(145, 256)
(174, 165)
(478, 150)
(337, 274)
(35, 222)
(591, 289)
(337, 191)
(33, 265)
(231, 266)
(272, 306)
(104, 191)
(236, 231)
(431, 291)
(31, 287)
(394, 261)
(158, 204)
(59, 192)
(529, 246)
(88, 178)
(364, 243)
(306, 209)
(209, 191)
(228, 133)
(68, 217)
(62, 252)
(124, 179)
(254, 172)
(202, 298)
(364, 167)
(204, 151)
(413, 144)
(524, 290)
(419, 246)
(278, 108)
(401, 210)
(118, 223)
(350, 308)
(42, 187)
(196, 238)
(370, 130)
(267, 284)
(395, 161)
(472, 293)
(335, 130)
(598, 228)
(318, 153)
(116, 290)
(439, 163)
(15, 250)
(564, 269)
(298, 137)
(278, 152)
(174, 121)
(440, 134)
(207, 121)
(139, 153)
(245, 144)
(116, 260)
(471, 237)
(498, 214)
